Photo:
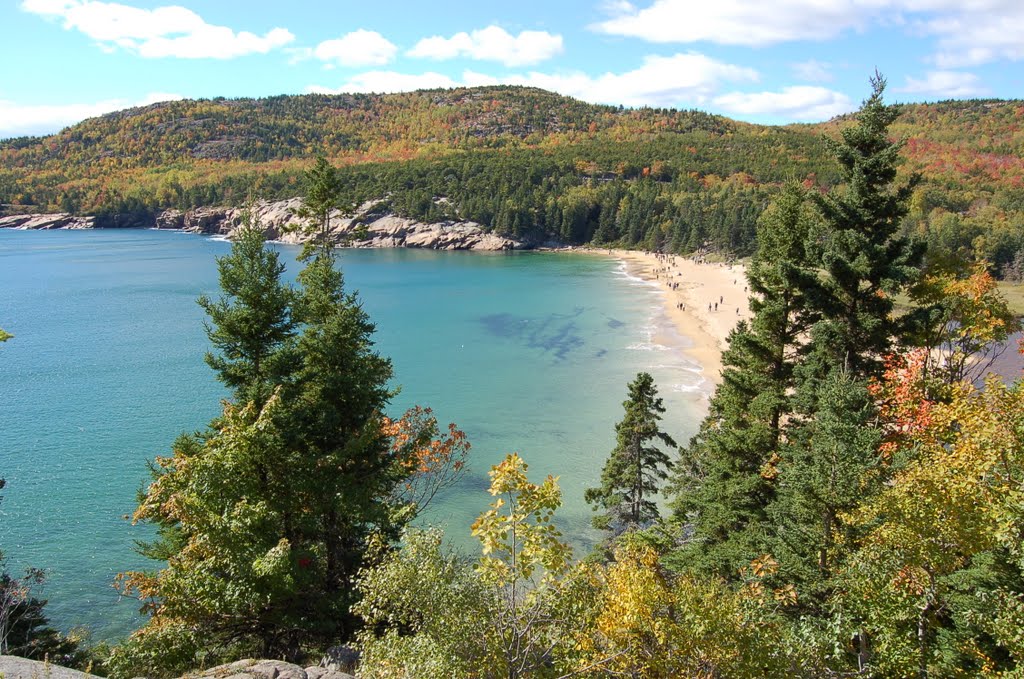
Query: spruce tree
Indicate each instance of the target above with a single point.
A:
(323, 197)
(865, 260)
(827, 470)
(635, 468)
(251, 325)
(831, 465)
(726, 477)
(265, 516)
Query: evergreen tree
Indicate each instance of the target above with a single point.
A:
(827, 470)
(865, 264)
(631, 476)
(323, 197)
(726, 477)
(265, 517)
(24, 627)
(251, 324)
(865, 260)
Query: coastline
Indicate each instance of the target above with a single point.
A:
(687, 289)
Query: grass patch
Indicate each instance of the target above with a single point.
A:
(1014, 295)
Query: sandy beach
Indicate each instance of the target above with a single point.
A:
(689, 289)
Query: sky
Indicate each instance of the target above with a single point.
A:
(763, 61)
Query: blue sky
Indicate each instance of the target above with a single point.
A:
(767, 61)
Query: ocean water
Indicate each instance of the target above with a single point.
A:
(526, 352)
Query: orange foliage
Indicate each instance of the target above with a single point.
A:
(430, 461)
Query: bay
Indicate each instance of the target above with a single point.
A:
(527, 352)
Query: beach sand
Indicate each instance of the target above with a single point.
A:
(694, 286)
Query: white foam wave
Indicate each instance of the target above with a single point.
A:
(647, 346)
(697, 388)
(623, 271)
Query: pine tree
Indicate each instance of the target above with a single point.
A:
(631, 476)
(726, 477)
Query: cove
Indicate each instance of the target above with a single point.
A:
(527, 352)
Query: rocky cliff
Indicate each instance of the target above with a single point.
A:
(59, 220)
(370, 227)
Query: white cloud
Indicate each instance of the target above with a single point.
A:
(491, 44)
(679, 80)
(813, 71)
(801, 102)
(37, 119)
(358, 48)
(966, 32)
(170, 31)
(945, 84)
(986, 31)
(737, 22)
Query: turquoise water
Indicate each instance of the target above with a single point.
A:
(527, 352)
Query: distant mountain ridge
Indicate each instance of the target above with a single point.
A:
(516, 160)
(302, 126)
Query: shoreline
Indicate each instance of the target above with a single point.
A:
(687, 288)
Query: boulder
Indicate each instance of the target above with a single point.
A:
(12, 667)
(343, 658)
(171, 219)
(252, 669)
(317, 672)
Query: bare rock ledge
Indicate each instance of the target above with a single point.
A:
(368, 228)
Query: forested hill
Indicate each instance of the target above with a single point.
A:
(521, 161)
(359, 126)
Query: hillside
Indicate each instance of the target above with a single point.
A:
(520, 160)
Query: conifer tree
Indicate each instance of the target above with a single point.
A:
(726, 477)
(865, 260)
(830, 462)
(631, 476)
(265, 517)
(827, 470)
(323, 196)
(250, 325)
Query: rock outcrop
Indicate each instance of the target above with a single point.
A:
(267, 669)
(59, 220)
(370, 227)
(13, 667)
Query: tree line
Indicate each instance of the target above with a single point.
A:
(524, 163)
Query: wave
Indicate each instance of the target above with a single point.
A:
(647, 346)
(698, 388)
(623, 271)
